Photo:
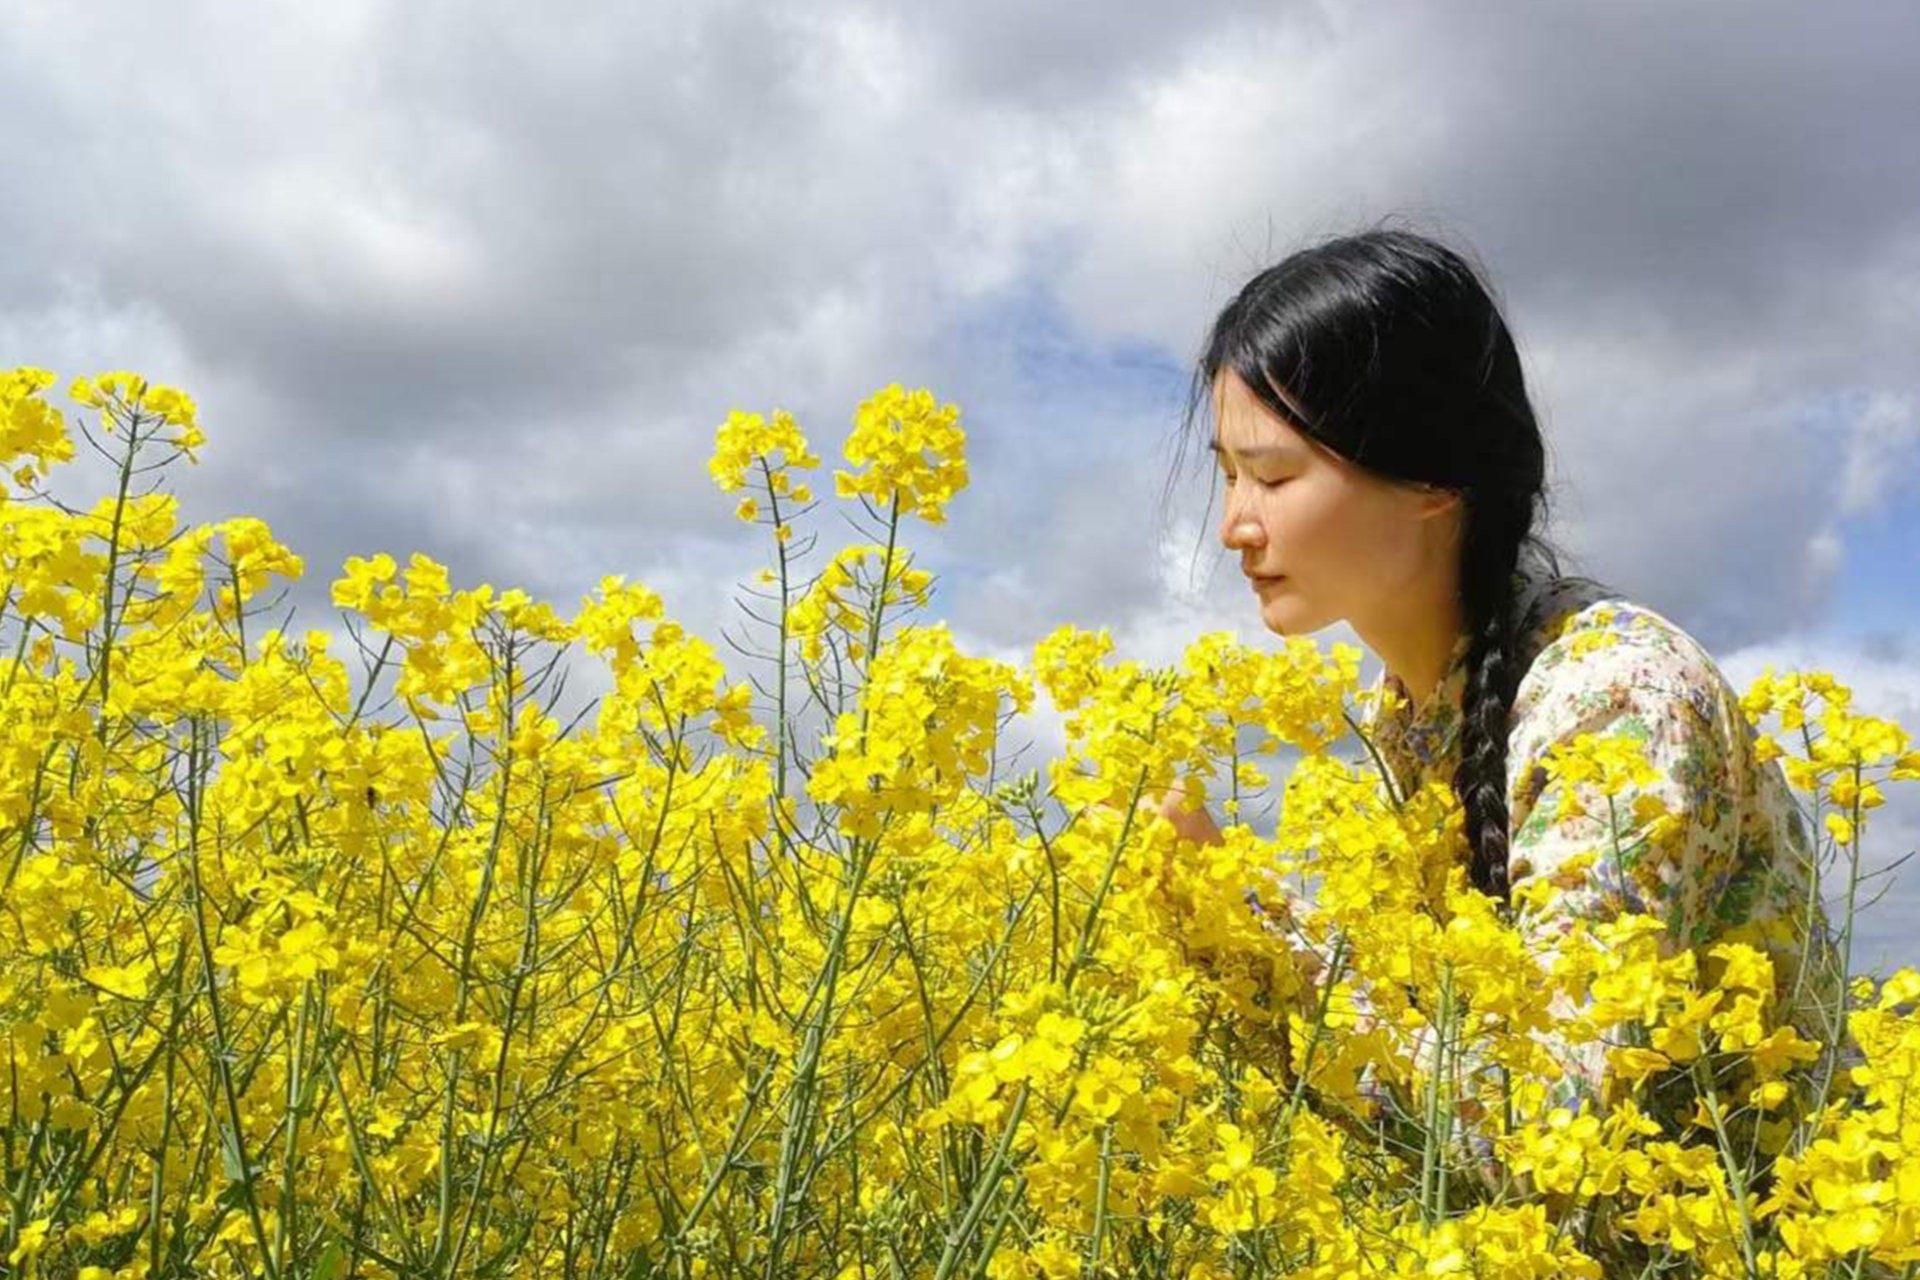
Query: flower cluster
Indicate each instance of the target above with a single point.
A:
(746, 439)
(861, 578)
(912, 451)
(128, 401)
(33, 435)
(1850, 751)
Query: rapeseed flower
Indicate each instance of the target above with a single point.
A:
(372, 946)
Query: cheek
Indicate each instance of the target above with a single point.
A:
(1380, 532)
(1313, 522)
(1339, 536)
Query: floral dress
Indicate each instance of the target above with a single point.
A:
(1736, 864)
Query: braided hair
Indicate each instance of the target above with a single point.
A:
(1389, 348)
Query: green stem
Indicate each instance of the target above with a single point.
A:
(221, 1051)
(1433, 1160)
(1736, 1175)
(1100, 1205)
(996, 1166)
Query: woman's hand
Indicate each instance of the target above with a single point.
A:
(1170, 803)
(1198, 825)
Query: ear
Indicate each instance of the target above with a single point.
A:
(1435, 502)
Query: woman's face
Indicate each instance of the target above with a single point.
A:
(1321, 539)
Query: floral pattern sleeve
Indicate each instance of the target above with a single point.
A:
(1621, 798)
(1634, 786)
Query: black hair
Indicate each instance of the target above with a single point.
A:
(1388, 348)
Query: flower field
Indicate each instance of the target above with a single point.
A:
(376, 958)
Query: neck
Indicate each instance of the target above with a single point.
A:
(1415, 640)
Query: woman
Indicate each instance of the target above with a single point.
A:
(1384, 467)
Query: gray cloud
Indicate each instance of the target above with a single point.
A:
(1702, 230)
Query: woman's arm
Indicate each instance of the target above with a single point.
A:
(1623, 800)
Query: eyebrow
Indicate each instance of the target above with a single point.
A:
(1254, 451)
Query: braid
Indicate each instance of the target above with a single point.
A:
(1488, 561)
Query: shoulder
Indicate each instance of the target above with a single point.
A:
(1614, 671)
(1590, 658)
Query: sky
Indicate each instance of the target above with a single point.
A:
(480, 280)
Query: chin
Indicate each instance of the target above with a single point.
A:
(1283, 621)
(1276, 621)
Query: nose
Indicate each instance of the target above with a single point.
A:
(1239, 530)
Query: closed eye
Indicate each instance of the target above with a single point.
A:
(1264, 484)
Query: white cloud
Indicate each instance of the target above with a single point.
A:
(1885, 433)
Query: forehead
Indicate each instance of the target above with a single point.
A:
(1246, 427)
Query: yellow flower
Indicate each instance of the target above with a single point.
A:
(912, 450)
(1779, 1049)
(33, 435)
(1635, 1065)
(31, 1242)
(746, 438)
(1243, 1199)
(858, 580)
(570, 954)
